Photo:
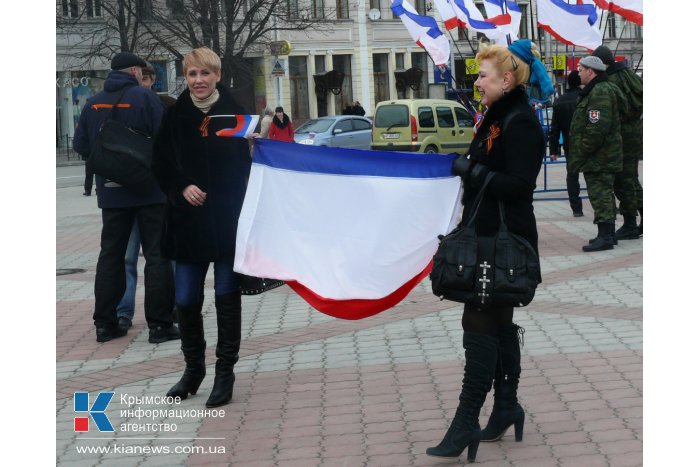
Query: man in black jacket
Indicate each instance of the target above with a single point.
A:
(563, 110)
(140, 109)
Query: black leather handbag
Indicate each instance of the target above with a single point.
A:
(123, 154)
(499, 270)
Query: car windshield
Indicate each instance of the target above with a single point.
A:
(315, 126)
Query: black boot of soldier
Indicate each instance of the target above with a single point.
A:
(605, 239)
(629, 230)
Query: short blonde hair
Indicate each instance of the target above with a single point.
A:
(505, 60)
(202, 57)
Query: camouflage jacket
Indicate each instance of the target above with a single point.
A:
(595, 143)
(631, 86)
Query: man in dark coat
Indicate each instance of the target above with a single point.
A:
(596, 146)
(562, 111)
(627, 187)
(140, 109)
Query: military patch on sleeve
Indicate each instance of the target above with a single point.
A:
(593, 116)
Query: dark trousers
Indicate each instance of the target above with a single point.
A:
(110, 280)
(89, 175)
(573, 188)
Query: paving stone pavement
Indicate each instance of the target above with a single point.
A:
(312, 390)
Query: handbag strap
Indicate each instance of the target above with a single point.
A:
(477, 201)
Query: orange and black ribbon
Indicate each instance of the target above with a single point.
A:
(494, 132)
(204, 127)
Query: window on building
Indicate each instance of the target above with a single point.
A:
(343, 9)
(299, 87)
(374, 4)
(419, 5)
(176, 8)
(93, 8)
(317, 9)
(70, 8)
(293, 9)
(381, 77)
(320, 62)
(144, 8)
(612, 26)
(522, 28)
(344, 63)
(400, 64)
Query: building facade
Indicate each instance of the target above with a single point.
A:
(362, 41)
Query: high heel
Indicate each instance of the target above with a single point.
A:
(519, 428)
(193, 347)
(456, 440)
(188, 384)
(464, 432)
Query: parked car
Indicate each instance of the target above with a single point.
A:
(422, 125)
(341, 131)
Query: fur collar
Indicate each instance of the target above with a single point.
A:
(283, 124)
(506, 104)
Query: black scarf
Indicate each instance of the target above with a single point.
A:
(600, 77)
(283, 124)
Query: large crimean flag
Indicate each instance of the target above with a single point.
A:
(351, 231)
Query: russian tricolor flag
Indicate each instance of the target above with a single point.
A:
(242, 126)
(351, 231)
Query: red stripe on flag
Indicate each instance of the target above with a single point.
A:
(358, 308)
(452, 23)
(500, 20)
(558, 37)
(634, 16)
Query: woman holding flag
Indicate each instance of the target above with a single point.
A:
(509, 142)
(203, 172)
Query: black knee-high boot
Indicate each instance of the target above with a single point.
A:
(193, 347)
(228, 320)
(506, 409)
(481, 352)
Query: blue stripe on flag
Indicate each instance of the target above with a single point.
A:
(341, 161)
(584, 9)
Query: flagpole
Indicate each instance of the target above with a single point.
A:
(505, 11)
(532, 21)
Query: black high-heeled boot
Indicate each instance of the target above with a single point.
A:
(193, 347)
(481, 352)
(507, 411)
(228, 320)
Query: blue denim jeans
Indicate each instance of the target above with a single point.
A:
(189, 281)
(125, 309)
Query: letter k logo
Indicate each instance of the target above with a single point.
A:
(81, 403)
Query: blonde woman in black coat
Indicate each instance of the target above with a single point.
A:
(510, 143)
(204, 176)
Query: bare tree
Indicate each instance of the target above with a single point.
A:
(234, 29)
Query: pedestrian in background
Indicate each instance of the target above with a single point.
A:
(127, 306)
(140, 109)
(281, 127)
(627, 187)
(562, 111)
(510, 143)
(265, 123)
(204, 176)
(595, 146)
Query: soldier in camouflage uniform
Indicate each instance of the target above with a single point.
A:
(627, 187)
(595, 146)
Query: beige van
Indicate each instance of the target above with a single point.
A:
(422, 125)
